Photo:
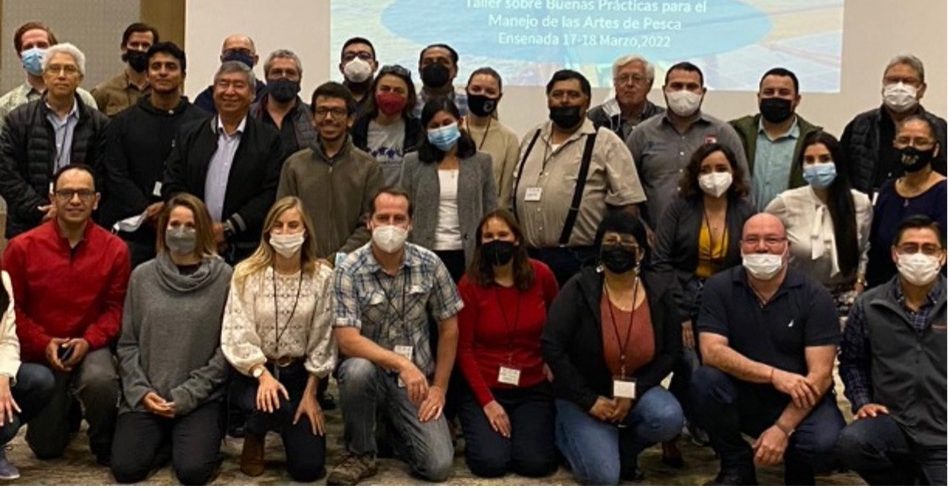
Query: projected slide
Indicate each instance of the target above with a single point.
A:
(733, 41)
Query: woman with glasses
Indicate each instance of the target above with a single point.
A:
(697, 237)
(277, 334)
(170, 362)
(613, 333)
(507, 407)
(451, 185)
(920, 191)
(388, 130)
(490, 135)
(827, 223)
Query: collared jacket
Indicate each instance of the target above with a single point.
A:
(28, 151)
(302, 119)
(748, 130)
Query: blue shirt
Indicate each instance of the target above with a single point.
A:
(773, 162)
(461, 102)
(63, 131)
(219, 169)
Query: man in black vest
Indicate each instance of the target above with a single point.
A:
(894, 367)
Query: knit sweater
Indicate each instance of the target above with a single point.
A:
(171, 331)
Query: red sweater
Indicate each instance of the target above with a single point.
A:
(485, 325)
(64, 293)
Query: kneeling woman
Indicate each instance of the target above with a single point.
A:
(277, 334)
(612, 335)
(507, 411)
(170, 361)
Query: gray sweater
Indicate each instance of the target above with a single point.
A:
(171, 334)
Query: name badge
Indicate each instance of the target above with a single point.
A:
(404, 351)
(508, 375)
(625, 387)
(157, 189)
(532, 194)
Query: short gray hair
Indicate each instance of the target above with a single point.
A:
(237, 67)
(909, 60)
(630, 58)
(66, 48)
(282, 54)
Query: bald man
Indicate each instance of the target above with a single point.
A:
(236, 47)
(768, 336)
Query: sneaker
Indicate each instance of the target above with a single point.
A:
(352, 470)
(252, 455)
(7, 471)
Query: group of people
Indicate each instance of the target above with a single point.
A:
(537, 290)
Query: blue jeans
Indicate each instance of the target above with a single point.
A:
(593, 447)
(364, 388)
(33, 389)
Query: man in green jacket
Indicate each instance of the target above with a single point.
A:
(772, 138)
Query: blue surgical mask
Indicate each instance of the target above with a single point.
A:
(32, 60)
(444, 137)
(820, 175)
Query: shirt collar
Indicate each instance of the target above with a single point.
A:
(219, 126)
(587, 127)
(793, 131)
(701, 118)
(936, 292)
(73, 112)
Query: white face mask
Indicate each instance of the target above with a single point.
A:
(389, 238)
(900, 97)
(683, 102)
(716, 183)
(357, 70)
(918, 268)
(286, 245)
(762, 266)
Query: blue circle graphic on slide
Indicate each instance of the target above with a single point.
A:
(580, 31)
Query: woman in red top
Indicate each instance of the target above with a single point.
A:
(507, 413)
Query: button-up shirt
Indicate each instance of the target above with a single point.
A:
(63, 130)
(662, 154)
(611, 180)
(119, 93)
(216, 181)
(26, 93)
(391, 310)
(773, 162)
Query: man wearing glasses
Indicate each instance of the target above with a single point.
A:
(46, 135)
(768, 337)
(230, 161)
(894, 367)
(633, 80)
(69, 278)
(357, 65)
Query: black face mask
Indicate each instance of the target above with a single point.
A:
(481, 105)
(283, 90)
(775, 109)
(435, 75)
(138, 60)
(498, 252)
(913, 159)
(618, 259)
(248, 60)
(566, 117)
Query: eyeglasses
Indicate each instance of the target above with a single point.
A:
(770, 241)
(395, 70)
(58, 69)
(65, 195)
(630, 79)
(361, 55)
(911, 248)
(336, 112)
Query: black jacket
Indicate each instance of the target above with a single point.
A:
(677, 242)
(252, 183)
(28, 149)
(413, 134)
(572, 343)
(138, 142)
(305, 134)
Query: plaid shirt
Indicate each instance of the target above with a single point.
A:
(391, 311)
(855, 354)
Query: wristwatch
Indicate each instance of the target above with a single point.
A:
(257, 371)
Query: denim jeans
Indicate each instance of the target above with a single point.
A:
(879, 451)
(364, 388)
(597, 450)
(32, 390)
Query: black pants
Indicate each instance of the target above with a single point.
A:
(454, 261)
(306, 452)
(529, 452)
(563, 261)
(195, 440)
(32, 390)
(140, 251)
(726, 408)
(879, 451)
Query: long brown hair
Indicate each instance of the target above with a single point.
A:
(205, 245)
(263, 257)
(481, 272)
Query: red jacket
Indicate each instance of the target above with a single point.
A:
(66, 293)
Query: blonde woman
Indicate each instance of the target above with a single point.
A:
(277, 335)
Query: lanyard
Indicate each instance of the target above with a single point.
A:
(509, 327)
(613, 322)
(467, 127)
(279, 332)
